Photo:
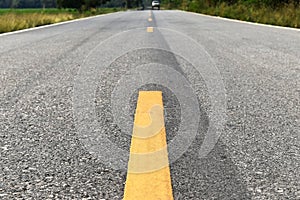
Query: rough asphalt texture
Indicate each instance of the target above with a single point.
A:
(256, 157)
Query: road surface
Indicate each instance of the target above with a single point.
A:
(230, 94)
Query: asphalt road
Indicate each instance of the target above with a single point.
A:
(230, 92)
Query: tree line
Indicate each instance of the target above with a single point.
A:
(213, 3)
(77, 4)
(87, 4)
(27, 3)
(272, 3)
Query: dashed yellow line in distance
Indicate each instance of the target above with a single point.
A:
(150, 19)
(150, 29)
(148, 174)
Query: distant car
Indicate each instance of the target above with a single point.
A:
(155, 4)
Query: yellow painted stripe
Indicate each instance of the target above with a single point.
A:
(149, 29)
(150, 19)
(148, 175)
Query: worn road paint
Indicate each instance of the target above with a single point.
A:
(150, 29)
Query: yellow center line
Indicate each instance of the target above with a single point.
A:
(150, 19)
(148, 175)
(150, 29)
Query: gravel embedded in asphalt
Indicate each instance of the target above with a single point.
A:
(256, 157)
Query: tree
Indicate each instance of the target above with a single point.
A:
(14, 3)
(72, 4)
(92, 3)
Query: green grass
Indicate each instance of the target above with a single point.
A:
(287, 15)
(37, 10)
(17, 19)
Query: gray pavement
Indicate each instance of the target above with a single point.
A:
(61, 136)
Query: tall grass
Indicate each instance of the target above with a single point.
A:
(12, 20)
(36, 10)
(287, 15)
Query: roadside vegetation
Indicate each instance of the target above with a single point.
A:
(17, 19)
(275, 12)
(22, 14)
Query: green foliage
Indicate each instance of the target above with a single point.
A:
(283, 13)
(216, 3)
(16, 19)
(71, 3)
(27, 3)
(82, 5)
(276, 12)
(77, 4)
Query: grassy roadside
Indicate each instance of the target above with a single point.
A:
(17, 19)
(287, 15)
